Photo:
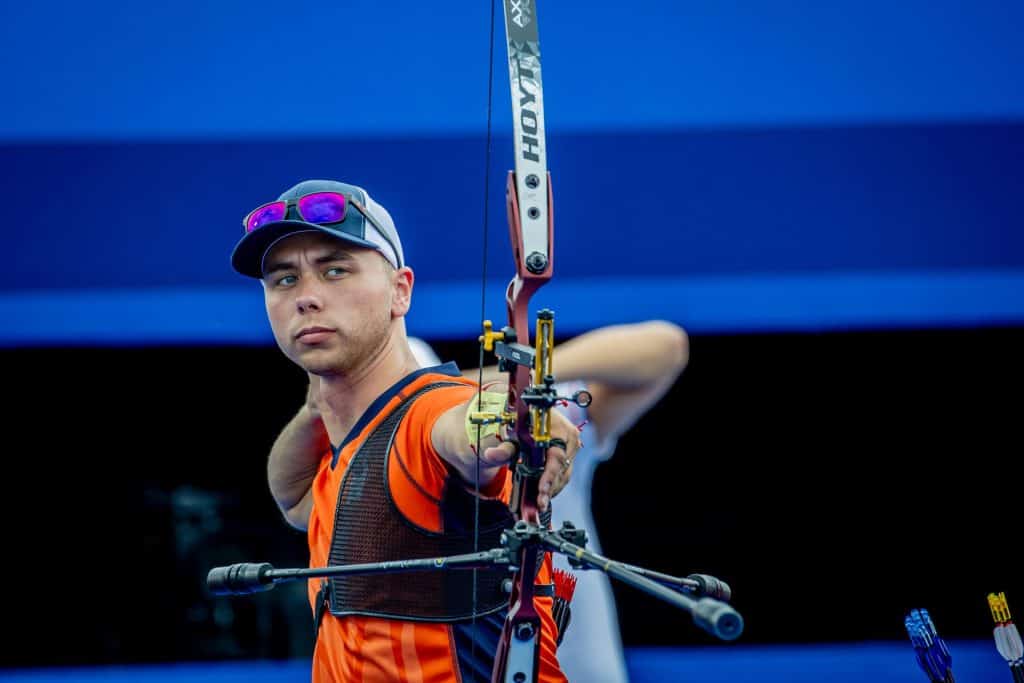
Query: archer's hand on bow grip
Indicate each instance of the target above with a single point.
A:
(557, 465)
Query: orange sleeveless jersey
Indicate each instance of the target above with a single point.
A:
(373, 650)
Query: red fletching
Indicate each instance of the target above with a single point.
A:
(565, 584)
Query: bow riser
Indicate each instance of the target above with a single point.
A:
(527, 281)
(519, 647)
(517, 302)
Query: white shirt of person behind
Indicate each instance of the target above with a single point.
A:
(592, 649)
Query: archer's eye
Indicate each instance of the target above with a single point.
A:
(335, 271)
(285, 281)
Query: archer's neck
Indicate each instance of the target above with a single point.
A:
(347, 396)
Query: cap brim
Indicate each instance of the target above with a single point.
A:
(247, 256)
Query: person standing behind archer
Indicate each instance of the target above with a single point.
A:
(627, 369)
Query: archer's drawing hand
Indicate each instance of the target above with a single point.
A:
(313, 402)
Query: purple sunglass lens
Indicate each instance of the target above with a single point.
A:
(323, 207)
(265, 214)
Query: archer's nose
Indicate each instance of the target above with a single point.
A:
(307, 304)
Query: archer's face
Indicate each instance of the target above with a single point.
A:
(330, 304)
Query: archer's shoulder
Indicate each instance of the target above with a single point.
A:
(446, 391)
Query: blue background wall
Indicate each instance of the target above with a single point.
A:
(781, 166)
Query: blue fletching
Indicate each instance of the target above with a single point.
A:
(932, 654)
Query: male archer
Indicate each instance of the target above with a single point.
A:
(391, 472)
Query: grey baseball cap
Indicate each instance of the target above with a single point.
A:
(373, 229)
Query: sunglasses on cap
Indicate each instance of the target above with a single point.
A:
(319, 208)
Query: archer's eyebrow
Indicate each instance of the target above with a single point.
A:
(279, 265)
(336, 255)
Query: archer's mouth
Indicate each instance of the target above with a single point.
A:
(313, 335)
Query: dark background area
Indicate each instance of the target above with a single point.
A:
(835, 480)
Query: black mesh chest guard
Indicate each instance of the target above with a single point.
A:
(368, 527)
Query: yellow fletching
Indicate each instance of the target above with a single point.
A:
(1000, 610)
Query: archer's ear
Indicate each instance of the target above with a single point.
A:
(402, 283)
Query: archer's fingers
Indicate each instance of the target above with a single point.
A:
(556, 467)
(313, 395)
(562, 480)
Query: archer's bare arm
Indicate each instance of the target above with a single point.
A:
(295, 458)
(627, 368)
